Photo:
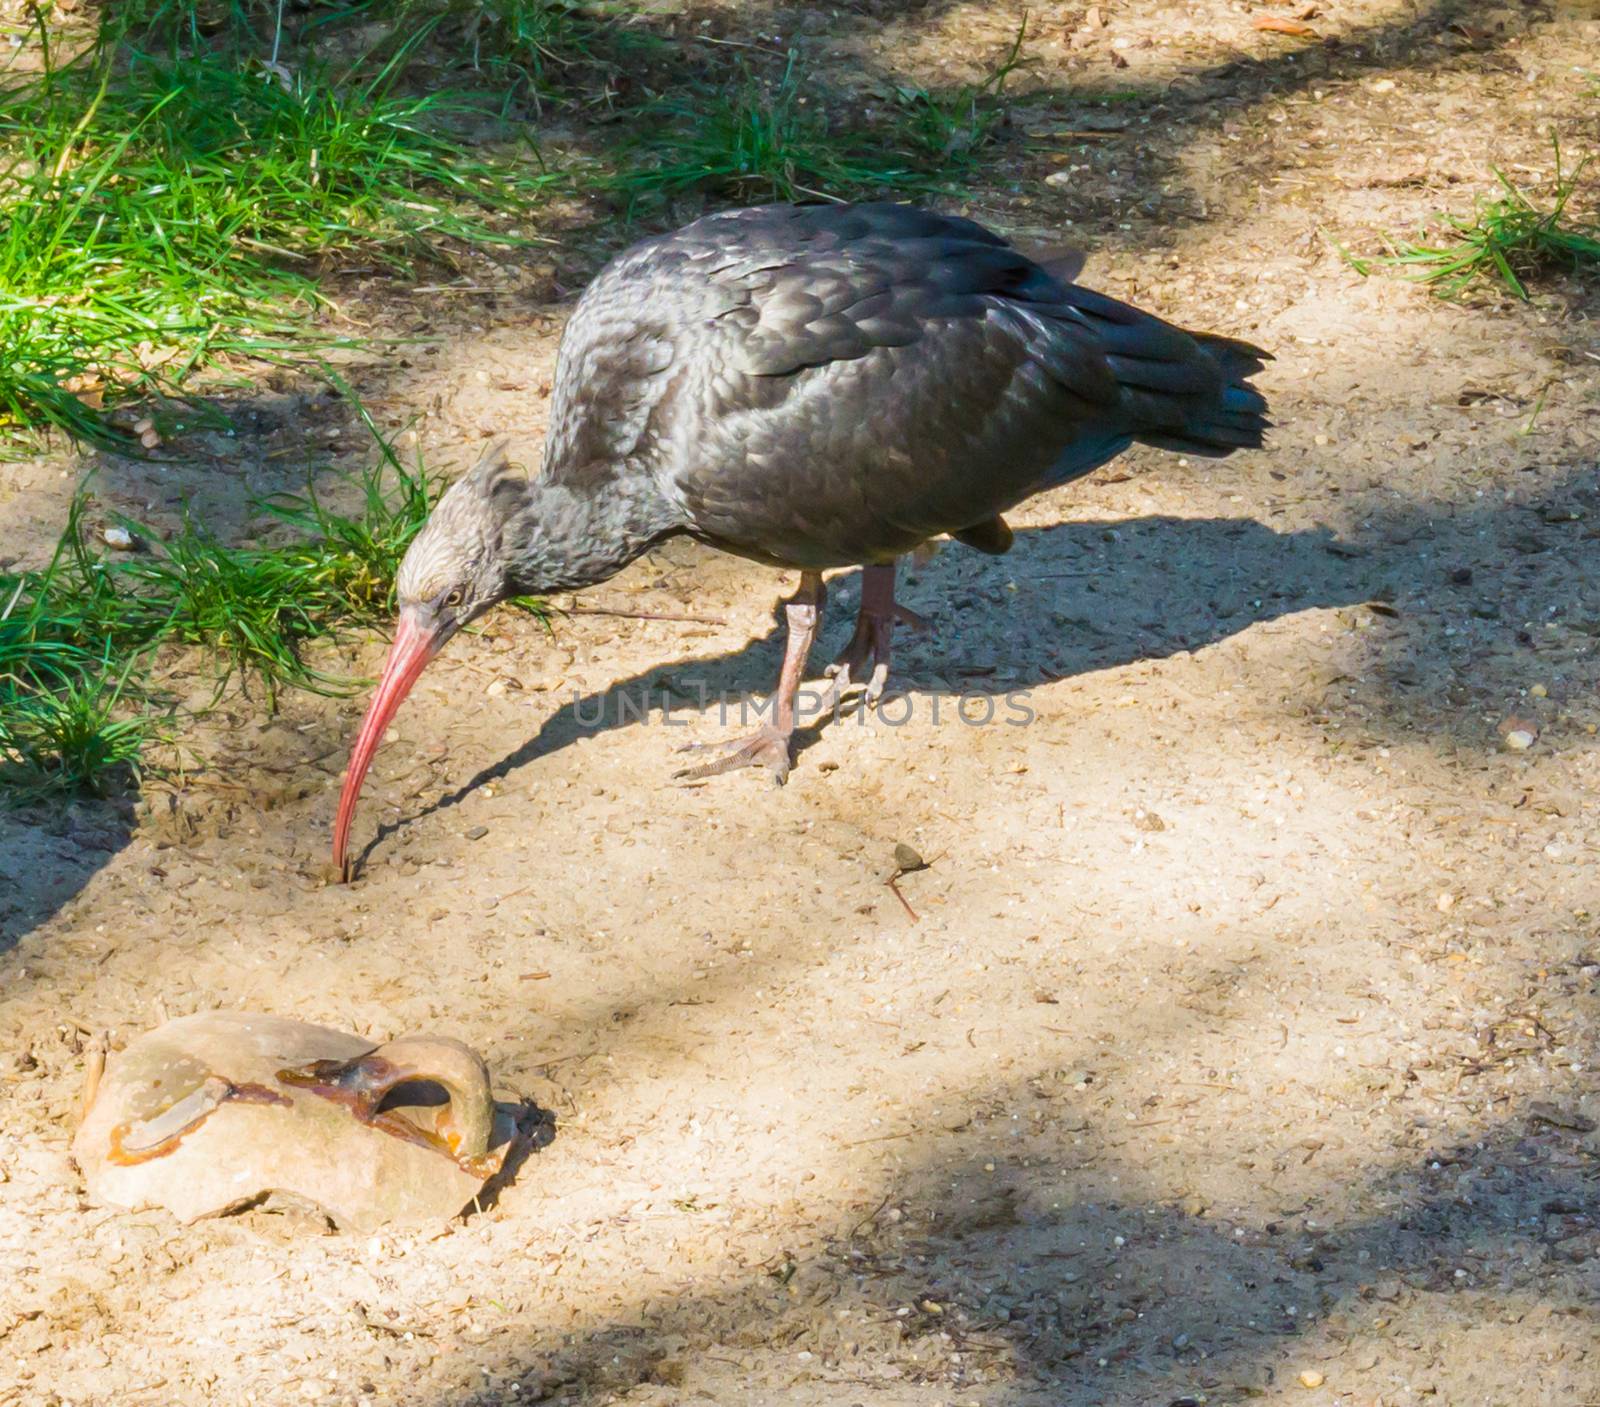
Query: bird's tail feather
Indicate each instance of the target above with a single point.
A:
(1238, 419)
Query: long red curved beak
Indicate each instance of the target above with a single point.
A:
(414, 645)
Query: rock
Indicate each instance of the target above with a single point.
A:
(907, 860)
(1310, 1377)
(1518, 734)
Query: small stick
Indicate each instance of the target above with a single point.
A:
(878, 1138)
(870, 1216)
(562, 1060)
(644, 615)
(398, 1328)
(895, 890)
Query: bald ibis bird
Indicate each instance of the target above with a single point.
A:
(809, 387)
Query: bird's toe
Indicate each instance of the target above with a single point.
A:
(767, 748)
(878, 682)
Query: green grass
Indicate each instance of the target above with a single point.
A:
(952, 128)
(161, 214)
(542, 45)
(78, 638)
(172, 198)
(65, 720)
(754, 139)
(1508, 240)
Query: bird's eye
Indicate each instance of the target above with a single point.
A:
(455, 598)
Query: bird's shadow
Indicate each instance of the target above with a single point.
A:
(1067, 600)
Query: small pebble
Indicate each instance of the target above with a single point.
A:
(1519, 733)
(477, 832)
(1539, 691)
(118, 537)
(908, 859)
(1311, 1377)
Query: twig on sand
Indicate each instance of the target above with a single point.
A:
(869, 1217)
(895, 890)
(644, 615)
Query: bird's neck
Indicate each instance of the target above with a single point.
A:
(569, 536)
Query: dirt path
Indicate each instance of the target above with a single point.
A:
(1243, 1037)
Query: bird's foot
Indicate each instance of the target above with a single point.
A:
(767, 747)
(865, 660)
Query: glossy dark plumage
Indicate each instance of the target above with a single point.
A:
(826, 385)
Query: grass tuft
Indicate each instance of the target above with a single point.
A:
(750, 141)
(1508, 240)
(77, 639)
(756, 140)
(65, 723)
(951, 129)
(158, 214)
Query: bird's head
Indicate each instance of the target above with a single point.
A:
(454, 571)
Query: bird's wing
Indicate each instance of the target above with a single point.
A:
(845, 376)
(683, 320)
(612, 369)
(837, 285)
(825, 284)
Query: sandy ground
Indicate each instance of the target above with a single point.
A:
(1238, 1041)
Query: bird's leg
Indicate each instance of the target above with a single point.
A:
(866, 658)
(768, 746)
